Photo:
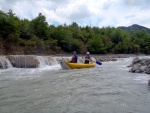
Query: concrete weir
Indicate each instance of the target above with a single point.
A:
(26, 61)
(34, 61)
(23, 61)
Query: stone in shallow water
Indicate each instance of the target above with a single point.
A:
(135, 67)
(140, 66)
(136, 60)
(148, 69)
(149, 82)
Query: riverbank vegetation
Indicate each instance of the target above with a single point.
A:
(36, 36)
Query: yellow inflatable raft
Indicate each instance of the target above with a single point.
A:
(67, 65)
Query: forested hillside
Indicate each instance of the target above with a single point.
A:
(135, 27)
(36, 36)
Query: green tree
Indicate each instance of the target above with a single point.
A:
(75, 30)
(39, 26)
(96, 45)
(107, 43)
(25, 30)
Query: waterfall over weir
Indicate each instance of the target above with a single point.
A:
(28, 61)
(44, 61)
(5, 63)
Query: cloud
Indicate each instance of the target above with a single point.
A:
(85, 12)
(138, 3)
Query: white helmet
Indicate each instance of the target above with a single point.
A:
(87, 53)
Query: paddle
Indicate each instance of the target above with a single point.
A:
(99, 63)
(94, 60)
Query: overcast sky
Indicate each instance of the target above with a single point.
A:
(99, 13)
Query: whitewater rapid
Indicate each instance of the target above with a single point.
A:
(109, 88)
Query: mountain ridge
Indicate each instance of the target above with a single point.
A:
(134, 27)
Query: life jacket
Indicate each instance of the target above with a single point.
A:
(74, 59)
(87, 59)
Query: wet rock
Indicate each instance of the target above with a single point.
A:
(147, 62)
(136, 60)
(143, 68)
(148, 69)
(135, 68)
(149, 82)
(138, 71)
(106, 59)
(140, 66)
(1, 66)
(142, 62)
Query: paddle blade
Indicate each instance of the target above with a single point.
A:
(99, 63)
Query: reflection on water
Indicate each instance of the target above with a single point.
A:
(109, 88)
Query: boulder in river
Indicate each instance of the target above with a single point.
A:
(140, 65)
(148, 69)
(149, 82)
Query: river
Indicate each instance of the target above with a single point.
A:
(109, 88)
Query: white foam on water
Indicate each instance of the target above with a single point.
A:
(26, 73)
(19, 73)
(143, 78)
(52, 67)
(31, 70)
(5, 62)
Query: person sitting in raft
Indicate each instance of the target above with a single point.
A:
(74, 57)
(87, 58)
